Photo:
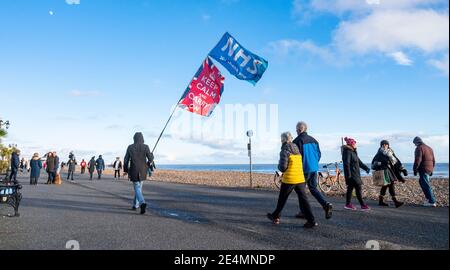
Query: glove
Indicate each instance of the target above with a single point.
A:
(405, 172)
(431, 174)
(415, 173)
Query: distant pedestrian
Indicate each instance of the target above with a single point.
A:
(290, 164)
(35, 169)
(71, 166)
(310, 151)
(135, 165)
(15, 164)
(424, 164)
(385, 160)
(117, 167)
(83, 166)
(91, 168)
(51, 168)
(100, 166)
(58, 168)
(352, 166)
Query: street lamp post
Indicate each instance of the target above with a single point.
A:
(249, 148)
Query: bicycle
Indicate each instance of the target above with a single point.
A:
(328, 182)
(277, 178)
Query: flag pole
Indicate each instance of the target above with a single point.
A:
(165, 126)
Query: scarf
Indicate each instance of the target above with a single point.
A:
(390, 154)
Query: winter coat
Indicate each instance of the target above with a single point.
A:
(382, 162)
(51, 164)
(83, 164)
(15, 161)
(310, 151)
(91, 165)
(120, 164)
(100, 164)
(136, 158)
(424, 161)
(71, 165)
(352, 166)
(290, 164)
(36, 166)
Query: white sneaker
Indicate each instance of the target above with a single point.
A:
(427, 204)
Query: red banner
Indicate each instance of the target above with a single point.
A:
(204, 92)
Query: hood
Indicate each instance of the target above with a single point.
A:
(417, 140)
(291, 148)
(348, 148)
(138, 138)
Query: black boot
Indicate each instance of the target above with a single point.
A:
(397, 203)
(381, 201)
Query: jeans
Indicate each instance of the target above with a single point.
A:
(99, 172)
(51, 177)
(424, 182)
(285, 191)
(358, 192)
(311, 180)
(69, 175)
(13, 175)
(138, 196)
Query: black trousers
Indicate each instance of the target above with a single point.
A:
(13, 175)
(34, 180)
(70, 175)
(91, 174)
(358, 191)
(82, 170)
(116, 173)
(391, 188)
(285, 191)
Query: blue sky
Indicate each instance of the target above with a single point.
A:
(85, 75)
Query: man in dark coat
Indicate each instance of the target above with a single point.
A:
(91, 167)
(15, 162)
(424, 163)
(135, 165)
(71, 164)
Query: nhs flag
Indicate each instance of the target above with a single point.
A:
(237, 60)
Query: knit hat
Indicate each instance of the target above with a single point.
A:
(417, 140)
(383, 142)
(350, 141)
(35, 155)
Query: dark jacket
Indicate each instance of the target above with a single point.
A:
(287, 149)
(51, 164)
(56, 163)
(136, 158)
(15, 161)
(424, 161)
(71, 165)
(120, 164)
(310, 150)
(100, 164)
(36, 166)
(352, 166)
(91, 165)
(382, 162)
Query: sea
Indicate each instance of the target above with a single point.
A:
(441, 169)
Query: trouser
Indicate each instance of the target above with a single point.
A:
(424, 181)
(285, 191)
(70, 175)
(13, 175)
(358, 191)
(390, 187)
(99, 172)
(117, 173)
(311, 180)
(138, 196)
(91, 174)
(51, 177)
(34, 180)
(82, 170)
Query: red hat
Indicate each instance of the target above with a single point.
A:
(349, 141)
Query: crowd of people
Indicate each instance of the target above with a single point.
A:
(299, 162)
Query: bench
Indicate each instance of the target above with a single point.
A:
(10, 193)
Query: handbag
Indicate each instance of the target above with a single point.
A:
(380, 178)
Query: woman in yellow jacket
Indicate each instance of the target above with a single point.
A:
(293, 179)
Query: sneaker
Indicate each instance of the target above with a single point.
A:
(328, 210)
(274, 220)
(143, 207)
(310, 225)
(428, 204)
(350, 207)
(365, 207)
(300, 216)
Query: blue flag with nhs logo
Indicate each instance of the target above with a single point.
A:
(239, 61)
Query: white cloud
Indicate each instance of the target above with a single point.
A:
(73, 2)
(206, 17)
(291, 47)
(441, 64)
(379, 27)
(78, 93)
(401, 58)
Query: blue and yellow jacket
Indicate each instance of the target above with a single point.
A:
(291, 164)
(310, 150)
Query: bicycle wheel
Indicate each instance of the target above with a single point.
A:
(277, 181)
(324, 184)
(341, 183)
